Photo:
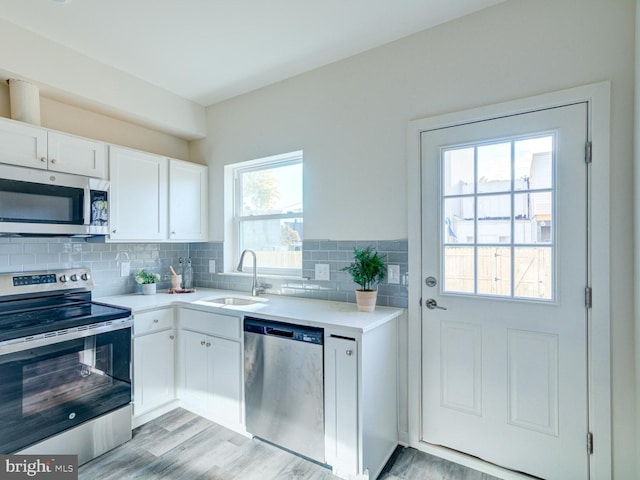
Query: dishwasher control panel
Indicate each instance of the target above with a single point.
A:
(300, 333)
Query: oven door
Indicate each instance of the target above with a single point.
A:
(51, 388)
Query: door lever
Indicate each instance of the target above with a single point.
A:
(431, 304)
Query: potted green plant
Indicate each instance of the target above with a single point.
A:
(147, 281)
(367, 270)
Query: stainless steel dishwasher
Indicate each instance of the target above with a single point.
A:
(284, 385)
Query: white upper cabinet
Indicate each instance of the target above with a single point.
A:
(154, 198)
(78, 155)
(138, 205)
(187, 201)
(31, 146)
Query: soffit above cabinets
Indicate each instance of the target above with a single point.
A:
(194, 53)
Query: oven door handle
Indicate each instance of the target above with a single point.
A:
(51, 338)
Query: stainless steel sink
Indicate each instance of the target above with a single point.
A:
(237, 301)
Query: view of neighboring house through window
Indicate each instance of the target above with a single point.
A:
(269, 214)
(498, 218)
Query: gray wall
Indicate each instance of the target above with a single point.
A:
(32, 254)
(337, 254)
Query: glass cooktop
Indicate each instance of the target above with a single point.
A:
(26, 317)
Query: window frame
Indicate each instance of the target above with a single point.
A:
(512, 245)
(238, 219)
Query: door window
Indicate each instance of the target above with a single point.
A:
(497, 217)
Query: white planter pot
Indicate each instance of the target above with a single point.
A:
(148, 288)
(366, 300)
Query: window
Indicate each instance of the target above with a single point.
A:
(497, 216)
(268, 213)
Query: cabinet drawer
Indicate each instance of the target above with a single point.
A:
(154, 321)
(210, 323)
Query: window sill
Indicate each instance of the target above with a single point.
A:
(264, 275)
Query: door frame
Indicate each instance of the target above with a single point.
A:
(597, 97)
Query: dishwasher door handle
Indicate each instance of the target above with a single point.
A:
(278, 332)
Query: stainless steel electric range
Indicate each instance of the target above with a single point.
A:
(65, 366)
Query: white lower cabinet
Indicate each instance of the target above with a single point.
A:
(341, 404)
(153, 364)
(210, 366)
(361, 404)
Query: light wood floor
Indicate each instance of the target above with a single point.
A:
(184, 446)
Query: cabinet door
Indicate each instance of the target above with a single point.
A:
(23, 144)
(81, 156)
(341, 404)
(138, 206)
(226, 380)
(153, 370)
(187, 201)
(194, 371)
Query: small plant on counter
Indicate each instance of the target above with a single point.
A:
(367, 270)
(144, 278)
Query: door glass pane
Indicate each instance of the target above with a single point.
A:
(533, 163)
(533, 219)
(458, 171)
(533, 269)
(459, 267)
(494, 219)
(494, 271)
(458, 220)
(494, 168)
(498, 199)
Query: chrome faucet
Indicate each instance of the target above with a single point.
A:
(255, 291)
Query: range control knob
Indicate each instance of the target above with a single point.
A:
(63, 278)
(86, 276)
(74, 278)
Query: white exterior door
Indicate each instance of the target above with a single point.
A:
(504, 242)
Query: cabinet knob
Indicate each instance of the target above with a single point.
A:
(113, 231)
(173, 233)
(208, 344)
(172, 337)
(349, 353)
(43, 159)
(202, 342)
(155, 320)
(53, 160)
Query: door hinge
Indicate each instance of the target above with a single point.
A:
(588, 296)
(587, 152)
(590, 443)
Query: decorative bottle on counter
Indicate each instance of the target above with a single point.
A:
(187, 276)
(181, 272)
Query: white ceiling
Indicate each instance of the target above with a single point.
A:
(210, 50)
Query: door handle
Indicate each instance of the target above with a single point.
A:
(431, 304)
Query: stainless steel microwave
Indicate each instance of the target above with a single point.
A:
(43, 202)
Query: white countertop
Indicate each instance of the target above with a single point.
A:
(304, 311)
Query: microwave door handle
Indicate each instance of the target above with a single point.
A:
(87, 205)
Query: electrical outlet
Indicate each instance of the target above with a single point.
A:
(322, 271)
(125, 268)
(393, 274)
(212, 266)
